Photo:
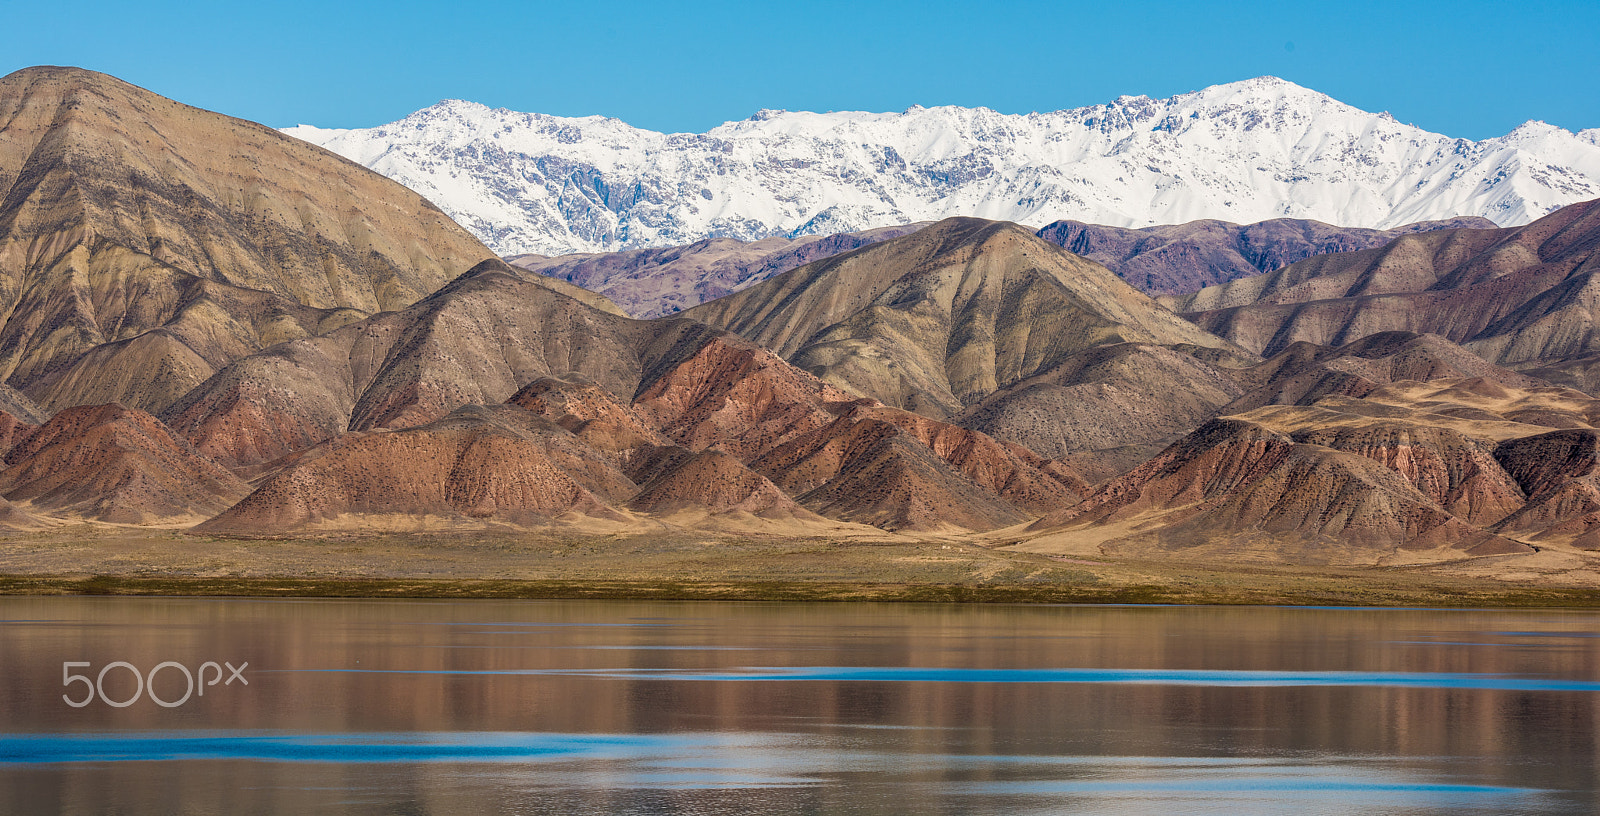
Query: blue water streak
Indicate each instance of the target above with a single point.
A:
(341, 748)
(1167, 677)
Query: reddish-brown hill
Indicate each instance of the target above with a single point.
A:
(728, 393)
(1455, 472)
(476, 341)
(1234, 485)
(115, 464)
(1560, 471)
(478, 464)
(590, 413)
(13, 432)
(675, 479)
(897, 470)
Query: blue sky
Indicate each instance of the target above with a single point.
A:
(1472, 69)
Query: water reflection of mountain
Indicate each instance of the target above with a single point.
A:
(408, 668)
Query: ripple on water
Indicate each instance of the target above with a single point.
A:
(1230, 785)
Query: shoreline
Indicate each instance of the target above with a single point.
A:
(1280, 592)
(685, 565)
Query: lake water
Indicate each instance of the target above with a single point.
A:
(541, 707)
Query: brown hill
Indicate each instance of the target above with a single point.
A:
(1560, 471)
(823, 445)
(564, 446)
(18, 405)
(1518, 297)
(1236, 486)
(664, 280)
(591, 414)
(184, 239)
(725, 392)
(16, 519)
(476, 465)
(1454, 471)
(1107, 405)
(1188, 257)
(676, 479)
(898, 470)
(939, 319)
(1480, 407)
(1478, 454)
(115, 464)
(1305, 372)
(1108, 408)
(871, 473)
(478, 340)
(90, 156)
(13, 432)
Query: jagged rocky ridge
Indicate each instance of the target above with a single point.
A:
(1181, 258)
(1241, 152)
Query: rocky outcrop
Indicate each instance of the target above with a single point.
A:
(1455, 472)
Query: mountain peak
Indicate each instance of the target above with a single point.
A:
(209, 236)
(1264, 90)
(1246, 151)
(1535, 128)
(61, 73)
(1269, 81)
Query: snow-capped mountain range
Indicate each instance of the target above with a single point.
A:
(1243, 152)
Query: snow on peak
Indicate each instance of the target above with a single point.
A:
(1242, 151)
(1535, 125)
